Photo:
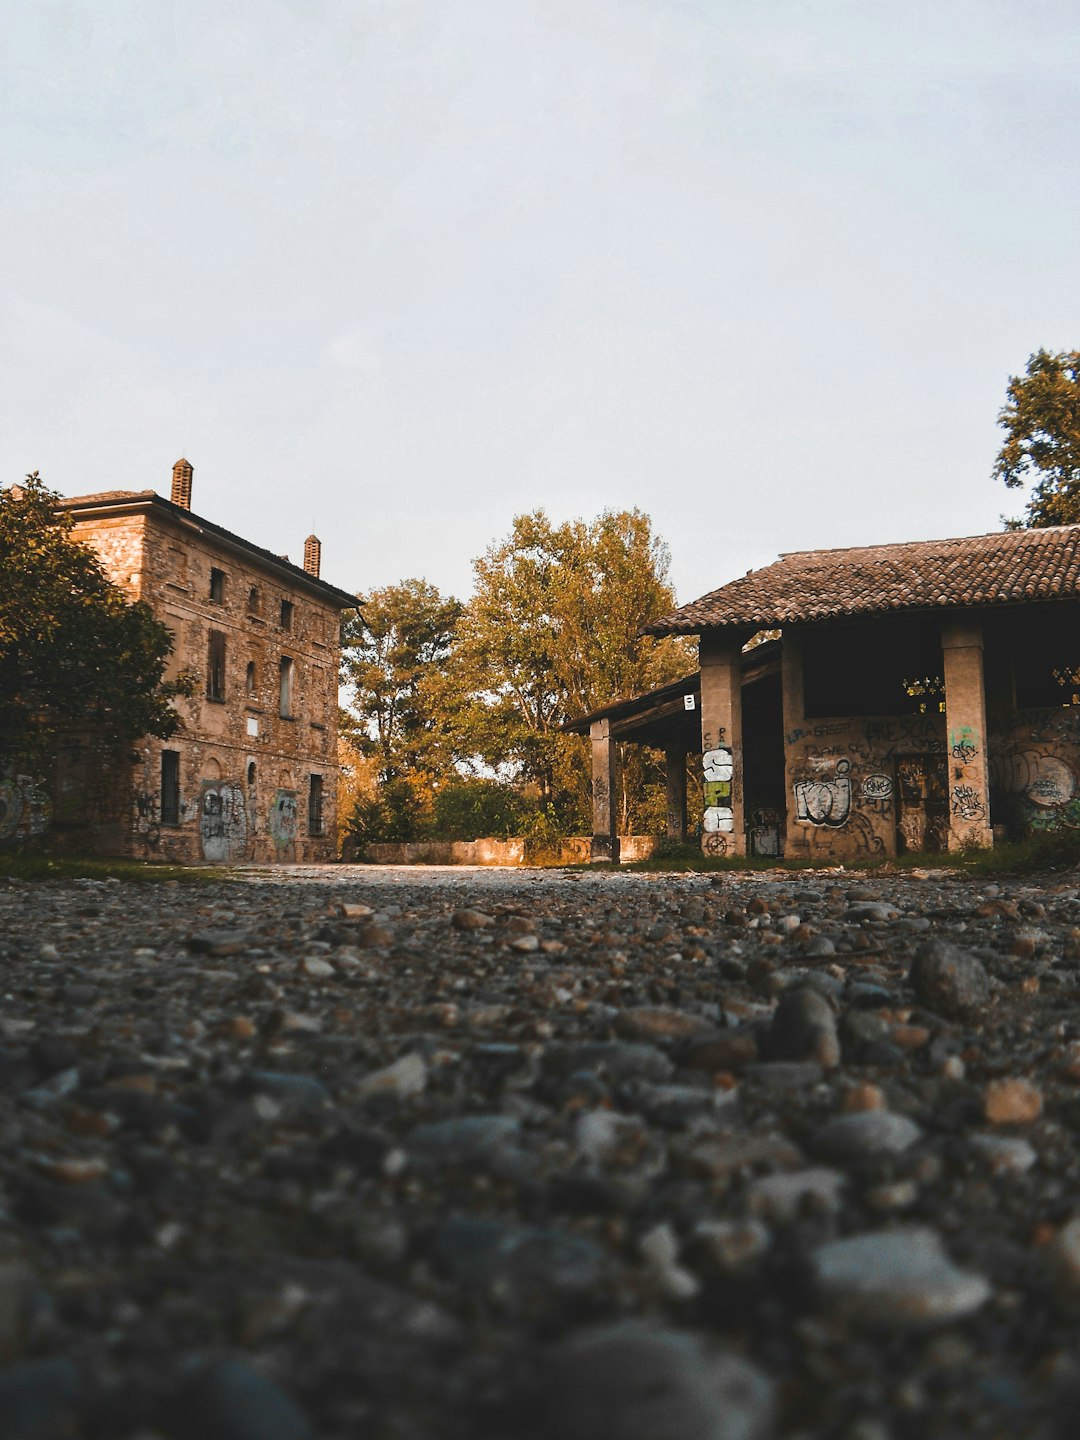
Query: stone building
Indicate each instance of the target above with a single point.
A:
(252, 775)
(912, 697)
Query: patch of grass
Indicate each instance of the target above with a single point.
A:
(32, 867)
(1050, 852)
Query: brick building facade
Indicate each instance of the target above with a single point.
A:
(252, 775)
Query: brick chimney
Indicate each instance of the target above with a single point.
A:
(312, 555)
(181, 484)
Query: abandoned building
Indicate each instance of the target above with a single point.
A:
(912, 697)
(252, 775)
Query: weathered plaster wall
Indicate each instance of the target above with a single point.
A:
(843, 776)
(244, 768)
(1035, 770)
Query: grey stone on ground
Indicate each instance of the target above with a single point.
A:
(804, 1028)
(783, 1198)
(636, 1381)
(39, 1400)
(229, 1400)
(867, 1132)
(460, 1140)
(949, 980)
(897, 1278)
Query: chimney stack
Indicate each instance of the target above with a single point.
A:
(181, 484)
(312, 555)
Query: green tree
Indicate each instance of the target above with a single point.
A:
(394, 647)
(76, 658)
(1042, 438)
(553, 631)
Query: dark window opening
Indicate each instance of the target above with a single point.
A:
(286, 614)
(170, 787)
(1046, 656)
(215, 666)
(285, 688)
(217, 586)
(315, 806)
(251, 774)
(249, 681)
(873, 669)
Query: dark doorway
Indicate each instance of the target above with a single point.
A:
(763, 765)
(922, 803)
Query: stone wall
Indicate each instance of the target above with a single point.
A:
(572, 851)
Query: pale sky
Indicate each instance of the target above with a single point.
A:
(398, 270)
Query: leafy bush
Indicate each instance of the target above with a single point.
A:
(479, 809)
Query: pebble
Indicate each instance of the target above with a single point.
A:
(780, 1199)
(460, 1141)
(1005, 1155)
(867, 1132)
(658, 1023)
(804, 1028)
(948, 980)
(896, 1278)
(401, 1080)
(229, 1400)
(1012, 1102)
(637, 1381)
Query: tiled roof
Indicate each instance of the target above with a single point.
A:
(1005, 568)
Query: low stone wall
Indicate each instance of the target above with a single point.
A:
(572, 851)
(448, 852)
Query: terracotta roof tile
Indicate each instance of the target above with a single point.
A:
(808, 585)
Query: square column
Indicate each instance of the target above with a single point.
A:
(965, 719)
(675, 769)
(605, 839)
(723, 824)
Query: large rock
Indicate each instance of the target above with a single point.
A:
(231, 1401)
(948, 980)
(639, 1382)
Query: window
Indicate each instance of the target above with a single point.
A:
(217, 586)
(215, 666)
(286, 614)
(878, 668)
(254, 601)
(170, 787)
(314, 807)
(249, 680)
(251, 775)
(285, 688)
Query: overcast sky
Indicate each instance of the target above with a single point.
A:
(398, 270)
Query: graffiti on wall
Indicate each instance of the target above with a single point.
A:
(222, 821)
(144, 819)
(825, 802)
(283, 814)
(718, 766)
(25, 811)
(1039, 786)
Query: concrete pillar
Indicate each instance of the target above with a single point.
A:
(605, 839)
(793, 712)
(675, 766)
(723, 825)
(965, 720)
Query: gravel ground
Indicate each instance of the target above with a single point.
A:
(366, 1153)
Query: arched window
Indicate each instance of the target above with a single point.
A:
(250, 681)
